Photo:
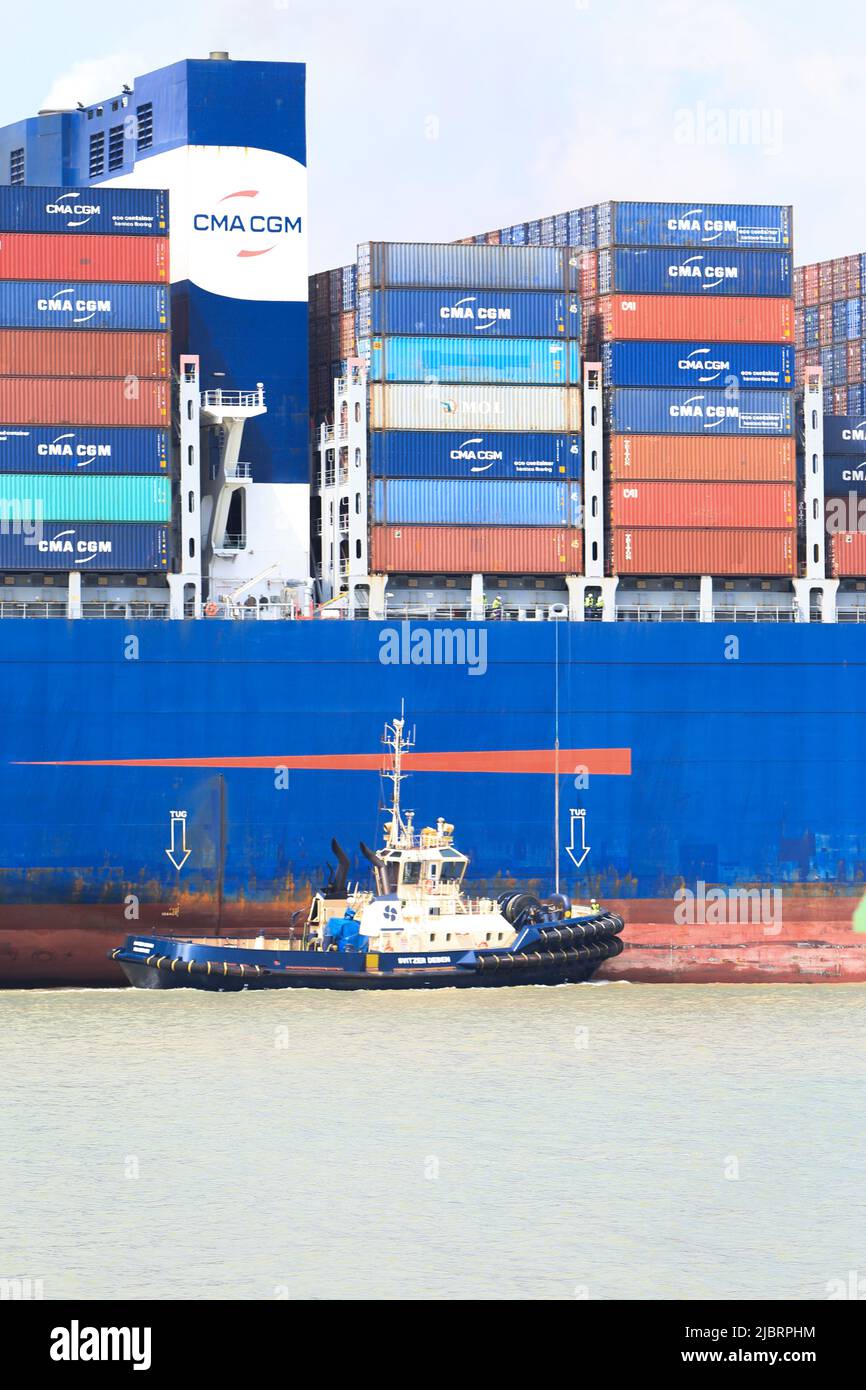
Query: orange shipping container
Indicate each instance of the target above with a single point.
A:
(848, 549)
(652, 550)
(725, 458)
(57, 255)
(49, 352)
(476, 550)
(347, 334)
(732, 505)
(669, 317)
(63, 401)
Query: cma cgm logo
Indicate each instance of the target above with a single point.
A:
(246, 218)
(64, 302)
(698, 408)
(470, 311)
(694, 222)
(856, 431)
(82, 212)
(699, 361)
(697, 268)
(473, 451)
(65, 447)
(66, 543)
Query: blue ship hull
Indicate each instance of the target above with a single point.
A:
(685, 755)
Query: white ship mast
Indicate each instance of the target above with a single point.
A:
(398, 832)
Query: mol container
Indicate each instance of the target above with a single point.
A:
(45, 352)
(755, 366)
(131, 258)
(57, 497)
(429, 265)
(653, 410)
(53, 304)
(64, 546)
(519, 361)
(529, 550)
(848, 554)
(475, 502)
(662, 317)
(694, 224)
(67, 401)
(444, 454)
(676, 504)
(653, 551)
(86, 212)
(710, 458)
(454, 313)
(58, 449)
(549, 409)
(710, 272)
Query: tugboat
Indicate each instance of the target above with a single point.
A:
(415, 929)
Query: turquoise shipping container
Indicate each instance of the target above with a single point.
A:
(515, 361)
(35, 497)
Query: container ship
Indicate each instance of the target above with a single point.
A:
(580, 494)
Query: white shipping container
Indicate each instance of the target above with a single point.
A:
(439, 407)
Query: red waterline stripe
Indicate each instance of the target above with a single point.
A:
(612, 762)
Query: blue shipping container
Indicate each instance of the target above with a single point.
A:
(855, 400)
(653, 411)
(90, 449)
(844, 434)
(516, 361)
(506, 313)
(95, 211)
(810, 326)
(854, 319)
(57, 497)
(702, 224)
(439, 454)
(427, 265)
(626, 271)
(840, 320)
(754, 365)
(124, 547)
(843, 475)
(46, 304)
(475, 502)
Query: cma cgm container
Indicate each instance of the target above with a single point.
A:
(755, 366)
(530, 550)
(690, 224)
(649, 550)
(494, 313)
(848, 552)
(57, 497)
(844, 434)
(129, 258)
(428, 265)
(844, 475)
(33, 400)
(665, 317)
(715, 272)
(85, 212)
(518, 361)
(57, 449)
(60, 546)
(714, 458)
(45, 352)
(475, 502)
(703, 504)
(441, 454)
(550, 409)
(653, 410)
(53, 304)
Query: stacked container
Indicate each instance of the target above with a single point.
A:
(85, 381)
(331, 333)
(473, 359)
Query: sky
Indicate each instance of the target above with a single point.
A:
(437, 120)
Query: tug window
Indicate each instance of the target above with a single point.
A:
(450, 872)
(412, 872)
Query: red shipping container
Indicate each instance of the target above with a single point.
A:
(347, 334)
(494, 238)
(50, 256)
(854, 363)
(669, 317)
(798, 285)
(848, 554)
(650, 551)
(840, 278)
(810, 294)
(722, 458)
(476, 550)
(49, 352)
(732, 505)
(588, 275)
(854, 277)
(825, 281)
(61, 401)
